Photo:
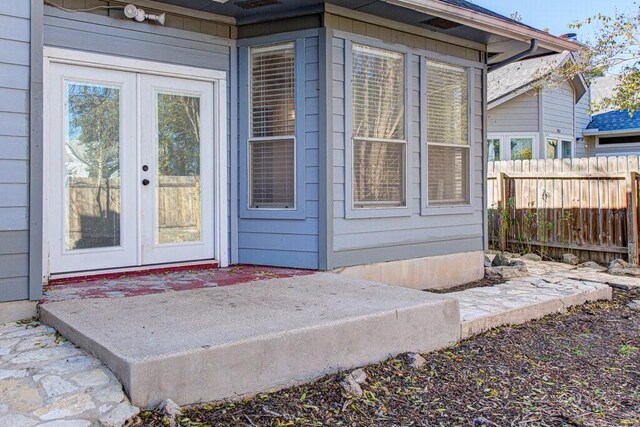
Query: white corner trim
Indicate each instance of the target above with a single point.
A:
(77, 57)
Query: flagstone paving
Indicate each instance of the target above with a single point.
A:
(47, 381)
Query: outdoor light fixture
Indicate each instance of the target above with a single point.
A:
(130, 11)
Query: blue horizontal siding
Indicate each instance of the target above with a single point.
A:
(368, 240)
(14, 145)
(281, 241)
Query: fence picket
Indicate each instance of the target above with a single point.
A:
(582, 205)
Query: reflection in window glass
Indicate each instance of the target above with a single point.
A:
(178, 181)
(566, 150)
(92, 166)
(493, 149)
(521, 148)
(552, 148)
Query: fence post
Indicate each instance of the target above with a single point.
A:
(502, 206)
(632, 216)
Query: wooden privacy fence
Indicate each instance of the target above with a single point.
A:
(585, 206)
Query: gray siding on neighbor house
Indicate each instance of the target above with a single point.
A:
(14, 149)
(583, 117)
(519, 114)
(195, 46)
(558, 105)
(286, 238)
(377, 239)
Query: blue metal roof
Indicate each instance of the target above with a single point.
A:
(614, 120)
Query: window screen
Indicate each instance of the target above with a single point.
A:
(379, 144)
(272, 136)
(447, 134)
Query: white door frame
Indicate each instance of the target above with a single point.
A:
(220, 138)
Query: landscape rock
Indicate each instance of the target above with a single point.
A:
(517, 263)
(170, 409)
(592, 266)
(532, 257)
(359, 375)
(629, 271)
(487, 261)
(634, 305)
(570, 259)
(500, 260)
(504, 272)
(120, 416)
(416, 361)
(350, 386)
(619, 263)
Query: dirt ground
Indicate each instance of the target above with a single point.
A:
(581, 368)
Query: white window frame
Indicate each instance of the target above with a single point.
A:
(265, 48)
(379, 211)
(560, 138)
(628, 144)
(505, 143)
(443, 209)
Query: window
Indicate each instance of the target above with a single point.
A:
(619, 140)
(559, 149)
(272, 127)
(552, 148)
(379, 137)
(521, 148)
(447, 134)
(493, 151)
(567, 149)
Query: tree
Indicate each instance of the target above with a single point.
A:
(615, 49)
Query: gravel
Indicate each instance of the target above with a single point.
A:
(578, 368)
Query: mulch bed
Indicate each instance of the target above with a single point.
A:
(579, 368)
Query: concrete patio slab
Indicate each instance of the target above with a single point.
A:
(524, 299)
(225, 342)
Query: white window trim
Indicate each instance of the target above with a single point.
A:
(505, 143)
(560, 138)
(217, 77)
(444, 209)
(268, 48)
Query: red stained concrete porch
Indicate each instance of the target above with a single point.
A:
(136, 283)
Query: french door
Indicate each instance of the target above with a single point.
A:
(131, 169)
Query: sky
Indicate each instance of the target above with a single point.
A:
(557, 14)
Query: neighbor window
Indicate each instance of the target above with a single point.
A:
(521, 148)
(559, 149)
(493, 149)
(379, 139)
(447, 134)
(272, 127)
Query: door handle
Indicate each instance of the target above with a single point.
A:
(145, 182)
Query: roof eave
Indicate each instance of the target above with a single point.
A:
(488, 23)
(619, 132)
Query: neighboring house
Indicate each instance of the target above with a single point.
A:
(611, 132)
(527, 121)
(303, 134)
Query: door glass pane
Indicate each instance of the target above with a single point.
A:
(92, 166)
(494, 149)
(552, 148)
(178, 168)
(566, 150)
(521, 148)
